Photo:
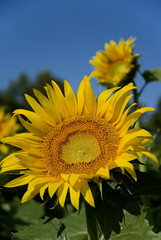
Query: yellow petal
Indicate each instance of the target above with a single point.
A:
(61, 103)
(22, 180)
(128, 155)
(30, 161)
(53, 188)
(21, 142)
(30, 127)
(36, 121)
(50, 93)
(47, 106)
(40, 111)
(86, 192)
(122, 120)
(118, 102)
(29, 136)
(118, 113)
(73, 179)
(81, 97)
(89, 97)
(65, 176)
(42, 190)
(104, 173)
(33, 188)
(14, 167)
(70, 98)
(9, 160)
(147, 153)
(62, 192)
(132, 119)
(132, 173)
(102, 98)
(133, 136)
(74, 196)
(120, 164)
(55, 100)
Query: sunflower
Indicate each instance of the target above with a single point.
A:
(8, 126)
(75, 139)
(113, 64)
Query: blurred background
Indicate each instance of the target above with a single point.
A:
(48, 39)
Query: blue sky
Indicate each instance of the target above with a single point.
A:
(63, 35)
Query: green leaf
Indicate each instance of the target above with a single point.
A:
(147, 183)
(76, 225)
(43, 230)
(107, 214)
(29, 212)
(104, 219)
(109, 217)
(152, 75)
(135, 227)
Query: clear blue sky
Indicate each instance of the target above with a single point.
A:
(63, 35)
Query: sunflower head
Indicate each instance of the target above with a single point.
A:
(8, 126)
(75, 139)
(113, 64)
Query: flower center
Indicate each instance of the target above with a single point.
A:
(80, 145)
(117, 68)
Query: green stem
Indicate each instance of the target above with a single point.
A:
(141, 90)
(91, 222)
(145, 84)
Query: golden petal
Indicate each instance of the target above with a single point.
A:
(62, 192)
(86, 192)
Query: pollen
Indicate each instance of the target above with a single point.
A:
(81, 145)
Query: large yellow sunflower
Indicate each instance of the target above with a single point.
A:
(8, 126)
(113, 64)
(73, 140)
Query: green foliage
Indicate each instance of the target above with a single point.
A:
(152, 75)
(103, 219)
(72, 227)
(29, 212)
(14, 216)
(76, 225)
(109, 211)
(148, 183)
(135, 227)
(43, 230)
